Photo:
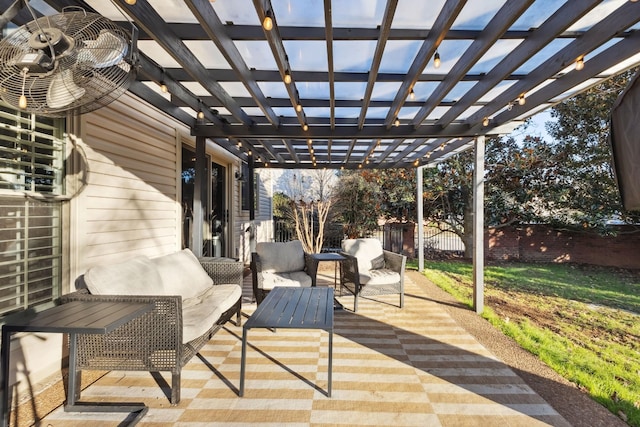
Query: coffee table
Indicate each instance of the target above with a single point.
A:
(292, 308)
(73, 318)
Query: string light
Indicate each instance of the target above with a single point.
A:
(163, 87)
(436, 60)
(267, 23)
(485, 121)
(305, 127)
(200, 114)
(397, 122)
(412, 95)
(522, 100)
(130, 2)
(579, 64)
(298, 107)
(287, 77)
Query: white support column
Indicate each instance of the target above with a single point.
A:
(478, 226)
(420, 205)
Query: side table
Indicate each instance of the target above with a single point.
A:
(337, 259)
(76, 317)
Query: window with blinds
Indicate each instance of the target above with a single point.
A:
(31, 170)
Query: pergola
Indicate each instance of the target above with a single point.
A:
(354, 84)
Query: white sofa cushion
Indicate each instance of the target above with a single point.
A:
(182, 274)
(291, 279)
(135, 276)
(368, 252)
(201, 312)
(281, 257)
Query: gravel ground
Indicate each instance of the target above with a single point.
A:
(574, 405)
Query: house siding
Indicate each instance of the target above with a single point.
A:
(131, 202)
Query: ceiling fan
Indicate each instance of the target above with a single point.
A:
(73, 61)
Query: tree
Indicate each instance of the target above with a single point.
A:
(311, 197)
(281, 206)
(396, 192)
(357, 204)
(586, 194)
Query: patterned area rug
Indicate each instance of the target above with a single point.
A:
(402, 367)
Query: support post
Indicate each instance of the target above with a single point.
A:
(252, 200)
(199, 197)
(478, 226)
(420, 202)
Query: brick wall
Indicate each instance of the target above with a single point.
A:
(543, 244)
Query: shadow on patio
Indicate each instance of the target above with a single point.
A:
(414, 366)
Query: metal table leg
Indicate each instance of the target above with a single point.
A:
(5, 394)
(243, 361)
(330, 363)
(73, 392)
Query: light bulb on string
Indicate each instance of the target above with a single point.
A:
(436, 60)
(267, 23)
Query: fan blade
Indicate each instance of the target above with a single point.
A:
(105, 51)
(63, 90)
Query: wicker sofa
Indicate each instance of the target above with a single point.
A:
(192, 297)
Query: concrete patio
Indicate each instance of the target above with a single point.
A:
(416, 367)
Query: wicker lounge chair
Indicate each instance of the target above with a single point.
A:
(368, 270)
(280, 264)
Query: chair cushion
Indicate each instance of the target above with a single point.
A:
(198, 316)
(368, 251)
(379, 277)
(292, 279)
(281, 257)
(135, 276)
(201, 312)
(182, 274)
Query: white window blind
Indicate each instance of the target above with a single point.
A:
(31, 164)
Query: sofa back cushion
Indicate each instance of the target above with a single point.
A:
(135, 276)
(182, 274)
(281, 257)
(368, 252)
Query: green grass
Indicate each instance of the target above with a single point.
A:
(583, 322)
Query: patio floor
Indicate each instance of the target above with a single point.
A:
(411, 367)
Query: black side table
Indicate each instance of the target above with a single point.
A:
(76, 317)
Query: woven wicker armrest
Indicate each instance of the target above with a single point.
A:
(394, 261)
(223, 271)
(349, 266)
(160, 327)
(311, 268)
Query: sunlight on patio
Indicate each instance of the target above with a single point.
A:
(391, 366)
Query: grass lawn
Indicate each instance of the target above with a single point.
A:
(584, 322)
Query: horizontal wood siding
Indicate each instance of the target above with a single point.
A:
(130, 204)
